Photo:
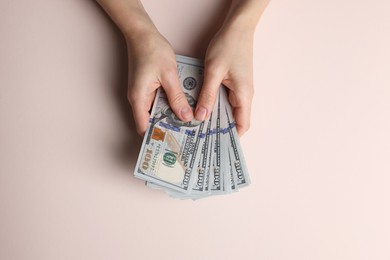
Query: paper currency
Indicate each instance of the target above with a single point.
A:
(196, 159)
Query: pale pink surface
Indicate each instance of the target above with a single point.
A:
(318, 149)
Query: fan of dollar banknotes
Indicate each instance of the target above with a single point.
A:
(196, 159)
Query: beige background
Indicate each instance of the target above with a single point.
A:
(318, 149)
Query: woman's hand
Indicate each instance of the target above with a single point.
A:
(229, 61)
(152, 64)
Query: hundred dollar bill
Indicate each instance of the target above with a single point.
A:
(203, 169)
(238, 167)
(171, 148)
(225, 163)
(202, 166)
(216, 176)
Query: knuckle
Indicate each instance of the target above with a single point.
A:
(133, 97)
(244, 127)
(245, 95)
(247, 88)
(214, 69)
(207, 97)
(130, 97)
(140, 130)
(132, 92)
(177, 98)
(214, 62)
(170, 74)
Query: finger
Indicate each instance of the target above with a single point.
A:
(141, 107)
(208, 94)
(242, 111)
(242, 117)
(176, 98)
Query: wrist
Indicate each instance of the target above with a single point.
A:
(137, 25)
(238, 28)
(244, 14)
(129, 15)
(239, 23)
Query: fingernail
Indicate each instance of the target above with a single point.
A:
(186, 114)
(201, 113)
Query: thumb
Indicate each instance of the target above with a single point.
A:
(208, 94)
(176, 98)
